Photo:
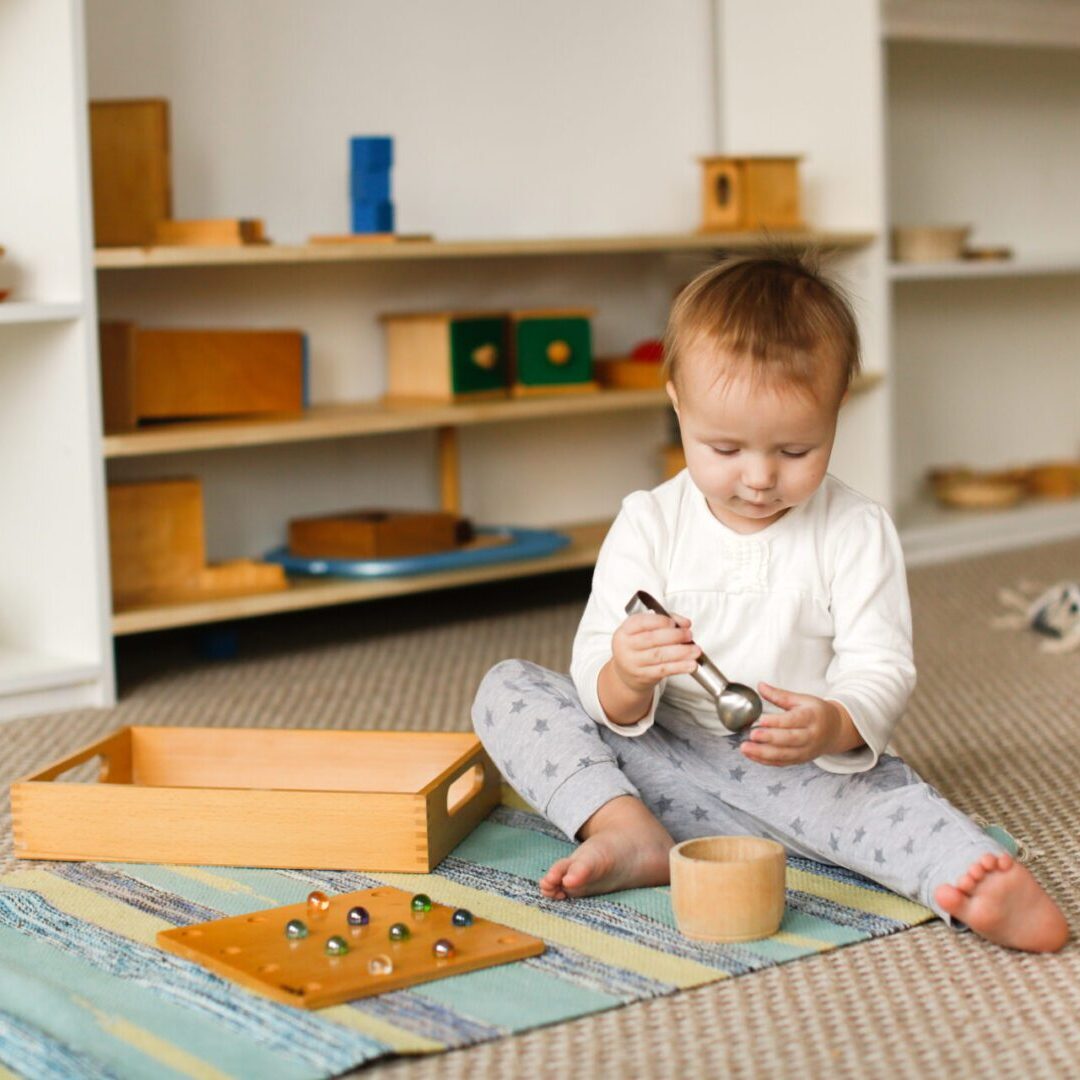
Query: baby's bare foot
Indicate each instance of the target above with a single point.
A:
(624, 847)
(1001, 901)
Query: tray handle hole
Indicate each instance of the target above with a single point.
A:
(464, 788)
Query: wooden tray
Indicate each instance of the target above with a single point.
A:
(331, 800)
(253, 950)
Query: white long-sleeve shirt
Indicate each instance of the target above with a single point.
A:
(815, 603)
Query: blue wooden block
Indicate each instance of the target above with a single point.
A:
(372, 185)
(371, 152)
(372, 217)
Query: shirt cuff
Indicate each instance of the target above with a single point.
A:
(596, 710)
(862, 757)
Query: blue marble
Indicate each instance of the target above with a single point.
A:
(462, 917)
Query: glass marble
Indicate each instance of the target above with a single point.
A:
(295, 929)
(318, 902)
(443, 949)
(462, 917)
(400, 932)
(380, 965)
(421, 902)
(358, 916)
(336, 946)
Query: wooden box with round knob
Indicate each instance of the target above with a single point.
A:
(551, 351)
(447, 355)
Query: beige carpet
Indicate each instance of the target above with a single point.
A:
(995, 724)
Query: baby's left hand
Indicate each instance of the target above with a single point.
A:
(808, 727)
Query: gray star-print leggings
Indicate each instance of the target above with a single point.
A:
(885, 823)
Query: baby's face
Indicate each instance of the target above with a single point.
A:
(754, 448)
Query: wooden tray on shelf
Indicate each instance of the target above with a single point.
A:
(332, 800)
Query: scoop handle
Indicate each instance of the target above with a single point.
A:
(706, 673)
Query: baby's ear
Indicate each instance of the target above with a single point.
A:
(673, 395)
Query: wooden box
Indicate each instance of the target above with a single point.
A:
(551, 351)
(130, 170)
(750, 193)
(331, 800)
(446, 356)
(373, 534)
(149, 375)
(157, 548)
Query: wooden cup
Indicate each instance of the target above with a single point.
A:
(728, 888)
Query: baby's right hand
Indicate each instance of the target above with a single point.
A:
(649, 647)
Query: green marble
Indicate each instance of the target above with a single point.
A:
(336, 946)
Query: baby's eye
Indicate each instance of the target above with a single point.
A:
(795, 453)
(727, 451)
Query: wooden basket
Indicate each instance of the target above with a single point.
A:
(331, 800)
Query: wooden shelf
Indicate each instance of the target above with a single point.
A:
(380, 418)
(291, 254)
(974, 268)
(369, 418)
(17, 312)
(930, 532)
(306, 593)
(1045, 23)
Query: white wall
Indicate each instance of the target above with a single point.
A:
(509, 118)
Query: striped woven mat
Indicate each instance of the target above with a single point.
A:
(84, 992)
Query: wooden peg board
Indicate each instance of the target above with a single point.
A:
(253, 950)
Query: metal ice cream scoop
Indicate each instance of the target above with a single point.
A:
(737, 706)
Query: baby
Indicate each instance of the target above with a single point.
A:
(791, 581)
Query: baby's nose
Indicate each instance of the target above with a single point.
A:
(760, 476)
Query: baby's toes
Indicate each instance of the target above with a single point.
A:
(990, 862)
(977, 871)
(967, 884)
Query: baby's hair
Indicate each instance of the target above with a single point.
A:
(777, 311)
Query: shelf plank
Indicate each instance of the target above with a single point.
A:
(380, 418)
(369, 418)
(661, 243)
(931, 533)
(1045, 23)
(23, 672)
(974, 268)
(19, 312)
(306, 593)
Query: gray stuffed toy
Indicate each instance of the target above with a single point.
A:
(1054, 613)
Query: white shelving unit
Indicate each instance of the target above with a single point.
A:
(55, 649)
(980, 119)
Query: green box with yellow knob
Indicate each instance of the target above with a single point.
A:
(447, 355)
(551, 351)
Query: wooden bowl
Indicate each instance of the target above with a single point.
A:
(1055, 480)
(929, 243)
(980, 492)
(728, 888)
